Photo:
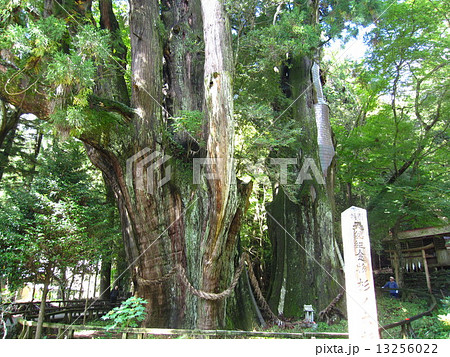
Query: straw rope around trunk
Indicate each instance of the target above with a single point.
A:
(181, 272)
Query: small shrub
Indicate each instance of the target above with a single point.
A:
(128, 314)
(191, 121)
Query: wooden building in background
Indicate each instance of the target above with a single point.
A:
(422, 249)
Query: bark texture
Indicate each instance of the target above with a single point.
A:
(178, 223)
(304, 269)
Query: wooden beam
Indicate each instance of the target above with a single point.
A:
(429, 246)
(427, 273)
(396, 265)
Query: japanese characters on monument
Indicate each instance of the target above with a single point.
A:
(361, 303)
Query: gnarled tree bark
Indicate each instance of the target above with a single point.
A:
(179, 223)
(305, 270)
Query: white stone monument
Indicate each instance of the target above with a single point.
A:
(359, 286)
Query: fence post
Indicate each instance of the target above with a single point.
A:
(28, 332)
(22, 333)
(404, 334)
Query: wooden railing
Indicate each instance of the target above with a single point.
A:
(68, 331)
(74, 309)
(407, 330)
(55, 307)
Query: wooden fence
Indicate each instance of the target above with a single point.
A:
(60, 310)
(68, 331)
(72, 310)
(407, 330)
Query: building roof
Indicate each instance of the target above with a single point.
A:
(422, 232)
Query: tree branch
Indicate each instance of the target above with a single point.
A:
(31, 101)
(417, 98)
(109, 105)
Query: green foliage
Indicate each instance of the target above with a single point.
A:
(82, 120)
(254, 234)
(340, 327)
(394, 310)
(190, 121)
(6, 9)
(389, 120)
(59, 219)
(80, 65)
(128, 314)
(60, 53)
(42, 38)
(67, 70)
(267, 35)
(89, 42)
(289, 36)
(444, 312)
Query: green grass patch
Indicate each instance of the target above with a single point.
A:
(436, 326)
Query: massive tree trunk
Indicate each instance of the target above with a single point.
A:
(193, 225)
(305, 266)
(179, 223)
(184, 56)
(399, 260)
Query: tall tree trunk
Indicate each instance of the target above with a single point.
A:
(179, 223)
(34, 290)
(96, 278)
(37, 150)
(107, 249)
(399, 263)
(86, 301)
(47, 278)
(62, 280)
(305, 267)
(122, 276)
(105, 278)
(183, 54)
(80, 292)
(223, 196)
(2, 287)
(8, 125)
(8, 121)
(69, 290)
(112, 84)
